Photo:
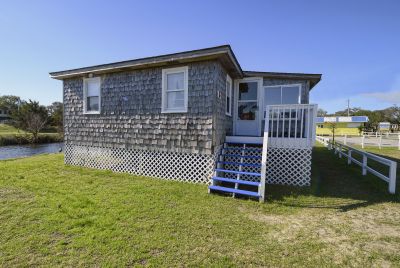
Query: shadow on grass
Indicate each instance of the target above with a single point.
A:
(335, 184)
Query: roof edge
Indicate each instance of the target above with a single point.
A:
(148, 61)
(313, 78)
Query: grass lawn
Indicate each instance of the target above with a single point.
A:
(10, 135)
(51, 214)
(8, 129)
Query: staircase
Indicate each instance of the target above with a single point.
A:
(238, 170)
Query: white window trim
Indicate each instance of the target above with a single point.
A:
(185, 70)
(287, 85)
(85, 82)
(228, 79)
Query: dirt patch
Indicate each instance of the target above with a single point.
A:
(14, 194)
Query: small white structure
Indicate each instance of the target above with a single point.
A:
(384, 126)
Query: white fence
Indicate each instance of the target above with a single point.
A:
(347, 151)
(371, 140)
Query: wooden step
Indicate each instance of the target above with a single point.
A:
(244, 156)
(243, 149)
(232, 190)
(238, 172)
(239, 164)
(252, 183)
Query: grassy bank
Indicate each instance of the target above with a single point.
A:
(56, 215)
(10, 135)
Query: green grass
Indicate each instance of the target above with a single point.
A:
(8, 130)
(56, 215)
(10, 135)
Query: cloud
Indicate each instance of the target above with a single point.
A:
(390, 97)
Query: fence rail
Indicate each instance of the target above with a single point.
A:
(347, 151)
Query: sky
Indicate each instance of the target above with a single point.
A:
(355, 45)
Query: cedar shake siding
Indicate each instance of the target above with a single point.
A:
(131, 115)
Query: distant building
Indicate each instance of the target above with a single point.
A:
(4, 115)
(384, 126)
(345, 125)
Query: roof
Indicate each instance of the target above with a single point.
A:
(223, 54)
(342, 119)
(313, 78)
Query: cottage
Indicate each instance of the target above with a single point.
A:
(344, 125)
(5, 115)
(193, 116)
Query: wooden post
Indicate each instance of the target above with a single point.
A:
(364, 165)
(399, 141)
(261, 188)
(340, 150)
(349, 157)
(392, 177)
(380, 142)
(362, 141)
(345, 139)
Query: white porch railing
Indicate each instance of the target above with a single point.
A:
(290, 125)
(287, 126)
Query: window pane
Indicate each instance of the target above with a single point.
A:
(247, 110)
(290, 95)
(175, 81)
(248, 91)
(92, 104)
(272, 95)
(93, 88)
(228, 97)
(175, 99)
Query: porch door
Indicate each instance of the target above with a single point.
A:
(247, 121)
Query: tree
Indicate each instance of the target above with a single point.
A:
(55, 111)
(321, 112)
(332, 126)
(31, 117)
(10, 103)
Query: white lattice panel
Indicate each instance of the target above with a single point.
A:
(289, 166)
(197, 168)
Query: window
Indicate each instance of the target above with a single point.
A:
(174, 90)
(288, 94)
(228, 94)
(92, 95)
(247, 102)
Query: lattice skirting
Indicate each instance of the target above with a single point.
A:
(289, 166)
(197, 168)
(286, 166)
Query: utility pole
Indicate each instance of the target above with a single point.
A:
(348, 107)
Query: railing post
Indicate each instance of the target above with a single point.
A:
(349, 157)
(364, 165)
(340, 150)
(399, 141)
(380, 142)
(345, 139)
(362, 141)
(261, 188)
(392, 177)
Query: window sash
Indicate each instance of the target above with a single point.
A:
(92, 95)
(178, 103)
(228, 98)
